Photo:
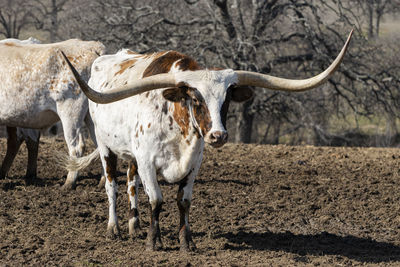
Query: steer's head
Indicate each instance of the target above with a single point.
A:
(207, 94)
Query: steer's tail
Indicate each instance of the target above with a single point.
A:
(76, 164)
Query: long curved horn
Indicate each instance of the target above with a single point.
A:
(132, 88)
(276, 83)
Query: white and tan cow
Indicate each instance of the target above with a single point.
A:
(37, 90)
(16, 136)
(164, 131)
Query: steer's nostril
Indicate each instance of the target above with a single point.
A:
(219, 137)
(225, 136)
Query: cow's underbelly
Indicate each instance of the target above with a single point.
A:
(35, 120)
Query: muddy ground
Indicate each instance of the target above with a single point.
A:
(253, 205)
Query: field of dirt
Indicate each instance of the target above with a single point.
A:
(253, 205)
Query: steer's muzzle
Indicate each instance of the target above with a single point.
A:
(218, 138)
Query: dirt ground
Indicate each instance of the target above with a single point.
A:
(253, 205)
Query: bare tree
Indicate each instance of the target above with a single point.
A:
(14, 16)
(373, 12)
(289, 38)
(47, 16)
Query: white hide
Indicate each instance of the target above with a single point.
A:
(24, 133)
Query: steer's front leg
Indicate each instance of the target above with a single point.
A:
(148, 176)
(154, 234)
(183, 200)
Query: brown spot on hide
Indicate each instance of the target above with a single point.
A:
(74, 60)
(133, 193)
(202, 116)
(141, 129)
(164, 61)
(147, 94)
(136, 135)
(187, 63)
(132, 171)
(111, 166)
(148, 126)
(125, 64)
(53, 84)
(130, 52)
(10, 44)
(201, 113)
(156, 106)
(181, 117)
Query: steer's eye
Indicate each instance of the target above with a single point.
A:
(195, 101)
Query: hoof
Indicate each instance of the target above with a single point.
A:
(154, 245)
(188, 247)
(68, 187)
(134, 228)
(186, 241)
(113, 233)
(30, 180)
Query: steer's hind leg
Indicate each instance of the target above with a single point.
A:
(133, 187)
(75, 144)
(72, 114)
(13, 144)
(184, 198)
(109, 162)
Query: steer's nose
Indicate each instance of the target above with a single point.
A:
(218, 138)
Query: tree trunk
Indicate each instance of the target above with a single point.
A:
(371, 20)
(244, 123)
(378, 22)
(54, 22)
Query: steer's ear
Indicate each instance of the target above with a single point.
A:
(175, 94)
(242, 93)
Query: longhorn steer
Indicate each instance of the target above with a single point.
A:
(37, 90)
(164, 131)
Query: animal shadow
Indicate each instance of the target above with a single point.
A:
(12, 182)
(364, 250)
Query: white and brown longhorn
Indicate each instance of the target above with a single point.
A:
(177, 108)
(37, 90)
